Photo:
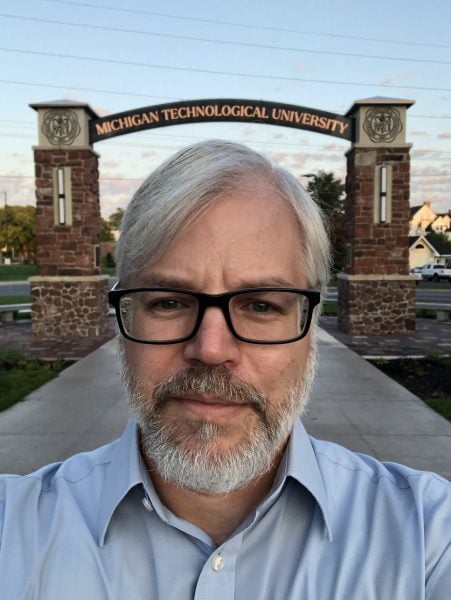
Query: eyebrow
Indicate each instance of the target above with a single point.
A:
(159, 280)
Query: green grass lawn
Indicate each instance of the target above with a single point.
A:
(442, 405)
(17, 272)
(15, 300)
(19, 377)
(22, 272)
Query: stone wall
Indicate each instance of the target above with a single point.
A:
(69, 307)
(377, 248)
(376, 294)
(67, 249)
(377, 307)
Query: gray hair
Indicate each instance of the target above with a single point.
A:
(191, 180)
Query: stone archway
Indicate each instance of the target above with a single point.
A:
(376, 294)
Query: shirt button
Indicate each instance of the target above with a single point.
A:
(147, 504)
(217, 563)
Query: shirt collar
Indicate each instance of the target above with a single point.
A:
(122, 474)
(125, 471)
(302, 465)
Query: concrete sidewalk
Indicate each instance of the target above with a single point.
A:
(353, 404)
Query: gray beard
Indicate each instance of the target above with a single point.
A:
(190, 459)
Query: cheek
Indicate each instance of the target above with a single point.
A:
(152, 364)
(278, 369)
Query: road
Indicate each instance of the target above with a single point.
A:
(426, 291)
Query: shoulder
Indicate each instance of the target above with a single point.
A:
(353, 467)
(20, 494)
(393, 493)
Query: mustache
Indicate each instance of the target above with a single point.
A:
(216, 381)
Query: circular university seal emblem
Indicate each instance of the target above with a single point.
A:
(382, 124)
(60, 126)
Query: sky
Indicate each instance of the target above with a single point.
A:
(323, 54)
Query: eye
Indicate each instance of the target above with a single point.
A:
(167, 304)
(261, 307)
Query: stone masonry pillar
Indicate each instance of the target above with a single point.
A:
(376, 295)
(69, 296)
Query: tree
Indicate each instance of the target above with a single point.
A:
(115, 219)
(106, 231)
(18, 231)
(328, 192)
(440, 241)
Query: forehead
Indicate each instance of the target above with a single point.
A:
(244, 236)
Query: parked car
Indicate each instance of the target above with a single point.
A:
(432, 272)
(416, 272)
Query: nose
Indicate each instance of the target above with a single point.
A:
(214, 343)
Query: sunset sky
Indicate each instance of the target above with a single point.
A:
(323, 54)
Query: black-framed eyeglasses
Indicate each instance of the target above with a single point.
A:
(268, 315)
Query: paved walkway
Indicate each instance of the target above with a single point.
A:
(353, 404)
(430, 336)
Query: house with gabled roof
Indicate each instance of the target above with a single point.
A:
(424, 220)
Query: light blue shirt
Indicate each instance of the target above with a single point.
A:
(335, 526)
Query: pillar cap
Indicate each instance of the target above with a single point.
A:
(65, 104)
(376, 100)
(64, 124)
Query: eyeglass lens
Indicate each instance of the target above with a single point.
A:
(257, 315)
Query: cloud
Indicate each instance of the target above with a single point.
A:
(420, 133)
(446, 135)
(102, 111)
(395, 78)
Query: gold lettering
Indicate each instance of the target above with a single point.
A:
(136, 120)
(118, 124)
(191, 112)
(236, 110)
(285, 115)
(169, 113)
(323, 122)
(343, 126)
(333, 124)
(306, 118)
(260, 113)
(103, 128)
(314, 120)
(275, 113)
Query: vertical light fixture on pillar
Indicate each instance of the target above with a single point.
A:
(61, 195)
(383, 194)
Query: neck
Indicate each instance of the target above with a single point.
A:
(218, 515)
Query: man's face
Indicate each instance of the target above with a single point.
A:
(246, 239)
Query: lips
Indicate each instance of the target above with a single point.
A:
(208, 407)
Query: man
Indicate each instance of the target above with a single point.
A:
(217, 492)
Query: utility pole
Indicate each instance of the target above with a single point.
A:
(5, 197)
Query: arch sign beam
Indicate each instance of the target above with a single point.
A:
(229, 110)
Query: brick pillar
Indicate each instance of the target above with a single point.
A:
(376, 293)
(69, 294)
